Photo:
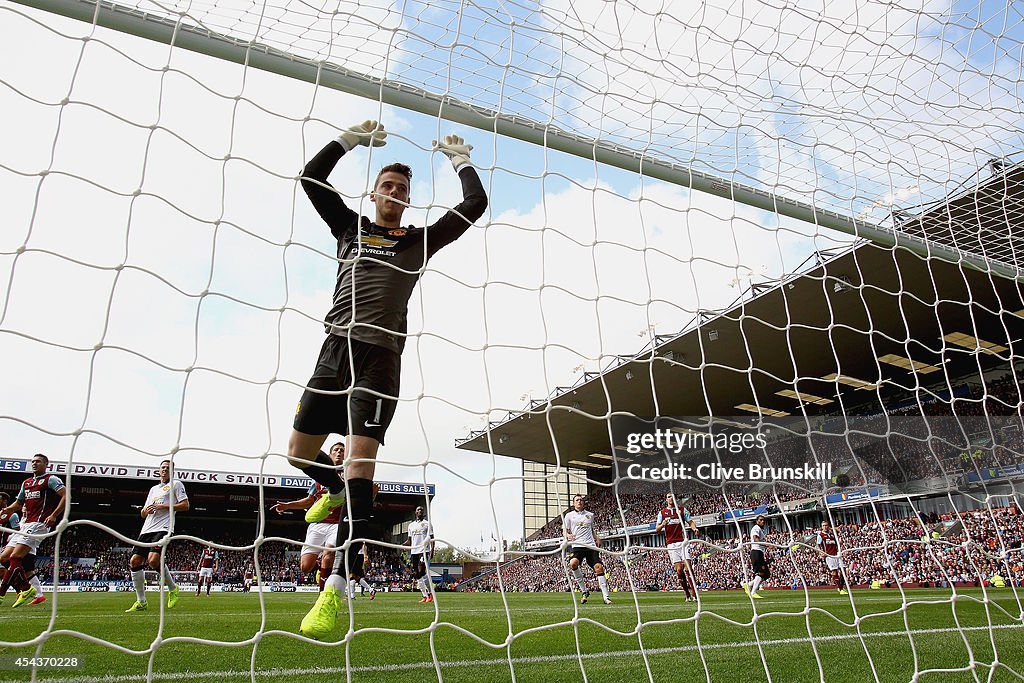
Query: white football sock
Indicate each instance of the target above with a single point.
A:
(36, 584)
(335, 581)
(168, 579)
(578, 573)
(366, 585)
(139, 579)
(603, 583)
(755, 584)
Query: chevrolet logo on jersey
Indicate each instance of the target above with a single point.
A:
(378, 241)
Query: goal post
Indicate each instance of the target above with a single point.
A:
(179, 33)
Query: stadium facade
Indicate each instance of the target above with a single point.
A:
(227, 508)
(870, 331)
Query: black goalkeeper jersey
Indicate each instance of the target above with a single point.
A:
(378, 267)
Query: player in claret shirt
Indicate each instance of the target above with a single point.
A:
(674, 521)
(13, 521)
(41, 502)
(322, 532)
(828, 546)
(249, 575)
(209, 560)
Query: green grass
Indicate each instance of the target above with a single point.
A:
(607, 637)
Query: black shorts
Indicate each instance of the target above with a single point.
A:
(350, 364)
(588, 555)
(419, 563)
(758, 562)
(151, 537)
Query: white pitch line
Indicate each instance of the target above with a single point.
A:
(664, 603)
(473, 663)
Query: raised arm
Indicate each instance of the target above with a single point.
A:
(324, 197)
(456, 222)
(300, 504)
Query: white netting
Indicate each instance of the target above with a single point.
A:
(829, 105)
(165, 279)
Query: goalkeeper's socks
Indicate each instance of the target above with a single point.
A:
(325, 476)
(360, 492)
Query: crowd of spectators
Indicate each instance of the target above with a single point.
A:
(967, 548)
(916, 442)
(89, 553)
(921, 440)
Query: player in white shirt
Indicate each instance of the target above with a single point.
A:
(757, 559)
(579, 530)
(421, 542)
(167, 494)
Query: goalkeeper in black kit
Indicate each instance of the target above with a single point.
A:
(379, 263)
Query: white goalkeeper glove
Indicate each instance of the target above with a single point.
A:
(456, 149)
(369, 133)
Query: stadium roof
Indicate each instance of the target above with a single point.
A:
(868, 315)
(200, 476)
(123, 488)
(985, 219)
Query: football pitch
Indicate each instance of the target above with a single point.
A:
(873, 638)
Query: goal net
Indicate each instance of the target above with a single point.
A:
(788, 225)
